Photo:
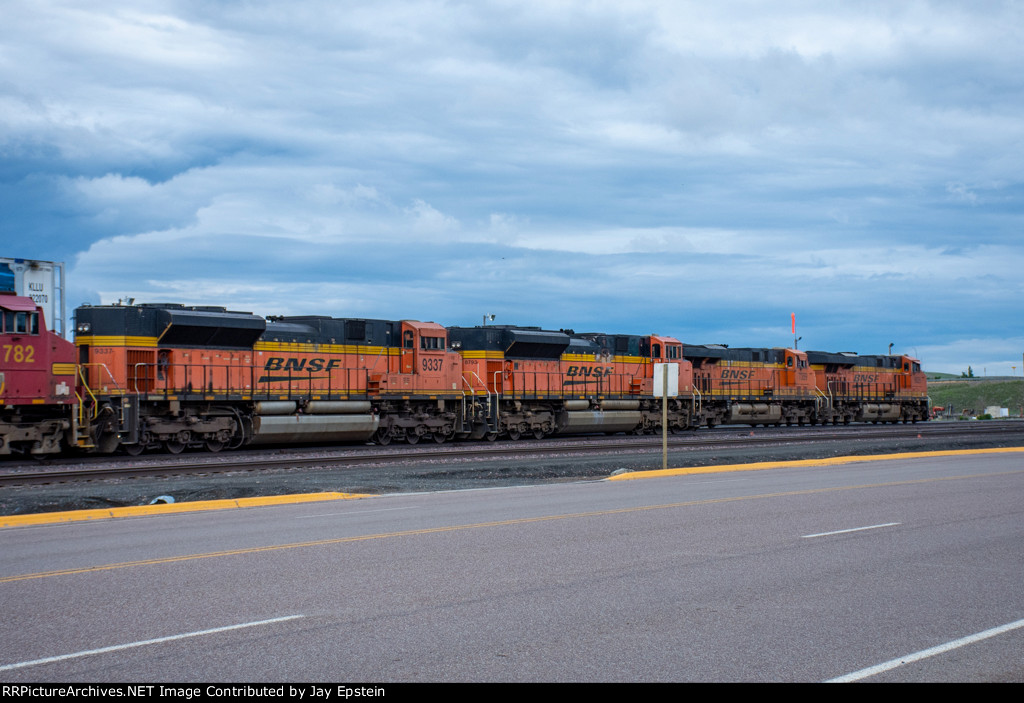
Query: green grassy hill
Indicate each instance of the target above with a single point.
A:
(976, 394)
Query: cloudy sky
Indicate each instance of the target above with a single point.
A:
(690, 168)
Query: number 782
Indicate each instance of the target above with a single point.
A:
(20, 354)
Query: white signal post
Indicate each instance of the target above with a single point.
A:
(666, 383)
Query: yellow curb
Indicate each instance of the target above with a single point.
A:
(165, 508)
(829, 461)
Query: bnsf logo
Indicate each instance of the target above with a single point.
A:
(737, 374)
(865, 378)
(593, 372)
(278, 363)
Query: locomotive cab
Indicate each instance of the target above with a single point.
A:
(911, 378)
(37, 380)
(798, 374)
(424, 354)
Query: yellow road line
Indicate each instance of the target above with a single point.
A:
(496, 523)
(165, 508)
(827, 461)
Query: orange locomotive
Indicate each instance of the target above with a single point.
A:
(173, 376)
(870, 388)
(170, 376)
(752, 386)
(529, 381)
(772, 386)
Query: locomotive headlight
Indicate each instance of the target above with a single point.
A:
(83, 327)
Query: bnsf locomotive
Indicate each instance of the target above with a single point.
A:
(169, 376)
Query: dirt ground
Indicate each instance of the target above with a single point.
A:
(434, 474)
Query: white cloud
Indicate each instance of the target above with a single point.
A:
(714, 165)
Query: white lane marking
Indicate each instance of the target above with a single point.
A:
(117, 647)
(925, 653)
(852, 529)
(360, 512)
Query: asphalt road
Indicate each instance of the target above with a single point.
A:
(777, 575)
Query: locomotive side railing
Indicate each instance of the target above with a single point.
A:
(531, 384)
(84, 379)
(823, 398)
(239, 380)
(491, 403)
(87, 412)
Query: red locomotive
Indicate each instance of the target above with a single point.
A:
(38, 399)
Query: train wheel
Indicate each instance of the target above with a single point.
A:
(105, 437)
(439, 438)
(412, 438)
(491, 436)
(214, 446)
(538, 434)
(514, 433)
(382, 436)
(134, 449)
(174, 447)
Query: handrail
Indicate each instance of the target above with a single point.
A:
(497, 400)
(487, 391)
(823, 396)
(85, 384)
(81, 405)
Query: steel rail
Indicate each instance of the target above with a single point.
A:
(729, 436)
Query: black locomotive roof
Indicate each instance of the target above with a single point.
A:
(705, 351)
(289, 333)
(338, 330)
(514, 342)
(619, 344)
(835, 358)
(173, 324)
(581, 345)
(204, 328)
(776, 355)
(880, 361)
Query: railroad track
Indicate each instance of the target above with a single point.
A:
(98, 468)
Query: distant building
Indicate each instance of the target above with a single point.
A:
(43, 281)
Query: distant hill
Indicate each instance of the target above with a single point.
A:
(976, 394)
